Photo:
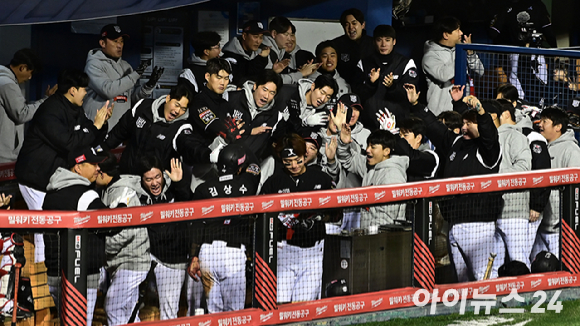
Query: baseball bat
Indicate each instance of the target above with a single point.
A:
(489, 265)
(16, 286)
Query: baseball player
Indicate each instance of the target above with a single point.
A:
(477, 151)
(301, 251)
(222, 256)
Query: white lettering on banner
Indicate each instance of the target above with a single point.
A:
(564, 178)
(379, 195)
(237, 208)
(177, 213)
(509, 286)
(321, 310)
(266, 317)
(352, 198)
(376, 303)
(294, 314)
(235, 321)
(267, 204)
(81, 220)
(206, 210)
(8, 173)
(515, 182)
(536, 283)
(400, 299)
(33, 220)
(205, 323)
(485, 184)
(146, 216)
(407, 192)
(296, 202)
(537, 180)
(434, 189)
(323, 200)
(464, 186)
(566, 280)
(349, 306)
(115, 218)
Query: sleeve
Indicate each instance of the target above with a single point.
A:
(64, 139)
(15, 104)
(540, 160)
(181, 190)
(489, 149)
(122, 130)
(421, 163)
(474, 64)
(102, 83)
(291, 78)
(521, 154)
(351, 159)
(256, 65)
(437, 132)
(191, 147)
(437, 68)
(460, 106)
(408, 76)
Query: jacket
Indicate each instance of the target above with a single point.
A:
(439, 68)
(169, 241)
(423, 164)
(516, 157)
(68, 191)
(194, 73)
(462, 158)
(56, 128)
(129, 249)
(112, 80)
(389, 171)
(244, 65)
(146, 132)
(350, 52)
(14, 113)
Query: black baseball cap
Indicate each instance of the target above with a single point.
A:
(310, 135)
(231, 158)
(254, 27)
(85, 155)
(351, 100)
(112, 32)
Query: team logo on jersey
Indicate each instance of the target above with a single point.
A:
(316, 187)
(140, 122)
(354, 98)
(207, 116)
(575, 103)
(161, 137)
(345, 57)
(237, 115)
(537, 149)
(452, 156)
(77, 127)
(85, 130)
(253, 169)
(412, 74)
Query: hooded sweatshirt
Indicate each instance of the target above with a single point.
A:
(68, 191)
(14, 113)
(277, 54)
(111, 80)
(439, 68)
(343, 86)
(390, 171)
(128, 249)
(244, 65)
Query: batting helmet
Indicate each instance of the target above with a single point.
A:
(513, 268)
(545, 262)
(231, 158)
(337, 288)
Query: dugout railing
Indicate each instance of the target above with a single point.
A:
(74, 227)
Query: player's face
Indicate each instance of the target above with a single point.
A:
(319, 96)
(376, 154)
(214, 51)
(353, 28)
(409, 136)
(113, 48)
(251, 41)
(103, 179)
(88, 170)
(264, 94)
(469, 130)
(217, 83)
(78, 95)
(290, 46)
(456, 36)
(354, 117)
(328, 59)
(153, 181)
(385, 44)
(174, 109)
(295, 165)
(283, 39)
(311, 152)
(549, 131)
(23, 74)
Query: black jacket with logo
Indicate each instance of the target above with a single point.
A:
(57, 128)
(146, 132)
(306, 228)
(349, 54)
